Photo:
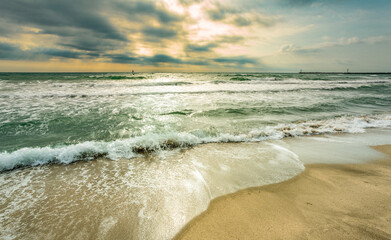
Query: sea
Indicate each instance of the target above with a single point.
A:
(122, 156)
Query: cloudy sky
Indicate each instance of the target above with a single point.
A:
(195, 35)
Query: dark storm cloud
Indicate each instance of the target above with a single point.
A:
(90, 43)
(230, 39)
(60, 53)
(85, 40)
(8, 29)
(83, 45)
(155, 21)
(13, 52)
(158, 34)
(240, 15)
(10, 52)
(122, 58)
(242, 22)
(137, 11)
(200, 48)
(155, 60)
(81, 29)
(219, 41)
(236, 60)
(220, 12)
(82, 14)
(161, 58)
(78, 25)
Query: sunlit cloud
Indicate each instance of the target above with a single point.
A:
(183, 35)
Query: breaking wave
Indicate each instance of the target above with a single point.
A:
(133, 147)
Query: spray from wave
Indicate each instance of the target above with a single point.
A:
(132, 147)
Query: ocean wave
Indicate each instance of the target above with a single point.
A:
(240, 79)
(34, 77)
(183, 112)
(288, 86)
(368, 86)
(162, 84)
(132, 147)
(276, 110)
(115, 77)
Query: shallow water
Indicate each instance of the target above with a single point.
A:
(154, 196)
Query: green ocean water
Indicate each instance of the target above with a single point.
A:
(122, 114)
(150, 151)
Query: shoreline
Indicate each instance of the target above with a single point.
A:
(342, 201)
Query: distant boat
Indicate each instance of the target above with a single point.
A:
(132, 72)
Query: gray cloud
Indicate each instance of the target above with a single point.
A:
(200, 48)
(161, 58)
(220, 12)
(81, 29)
(242, 15)
(78, 24)
(59, 53)
(240, 60)
(13, 52)
(189, 2)
(230, 39)
(10, 52)
(156, 22)
(157, 34)
(137, 11)
(7, 29)
(60, 13)
(91, 43)
(155, 60)
(217, 42)
(83, 25)
(242, 22)
(122, 58)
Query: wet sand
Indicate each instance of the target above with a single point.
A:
(336, 201)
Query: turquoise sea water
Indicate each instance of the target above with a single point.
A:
(64, 117)
(150, 151)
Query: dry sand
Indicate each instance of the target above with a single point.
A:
(346, 201)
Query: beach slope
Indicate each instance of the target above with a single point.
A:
(336, 201)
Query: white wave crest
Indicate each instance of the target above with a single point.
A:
(131, 147)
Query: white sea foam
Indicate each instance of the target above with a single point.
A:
(131, 147)
(154, 198)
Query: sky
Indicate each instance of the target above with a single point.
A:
(194, 35)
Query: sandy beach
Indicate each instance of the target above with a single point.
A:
(335, 201)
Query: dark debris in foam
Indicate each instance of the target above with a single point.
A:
(168, 145)
(240, 79)
(55, 161)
